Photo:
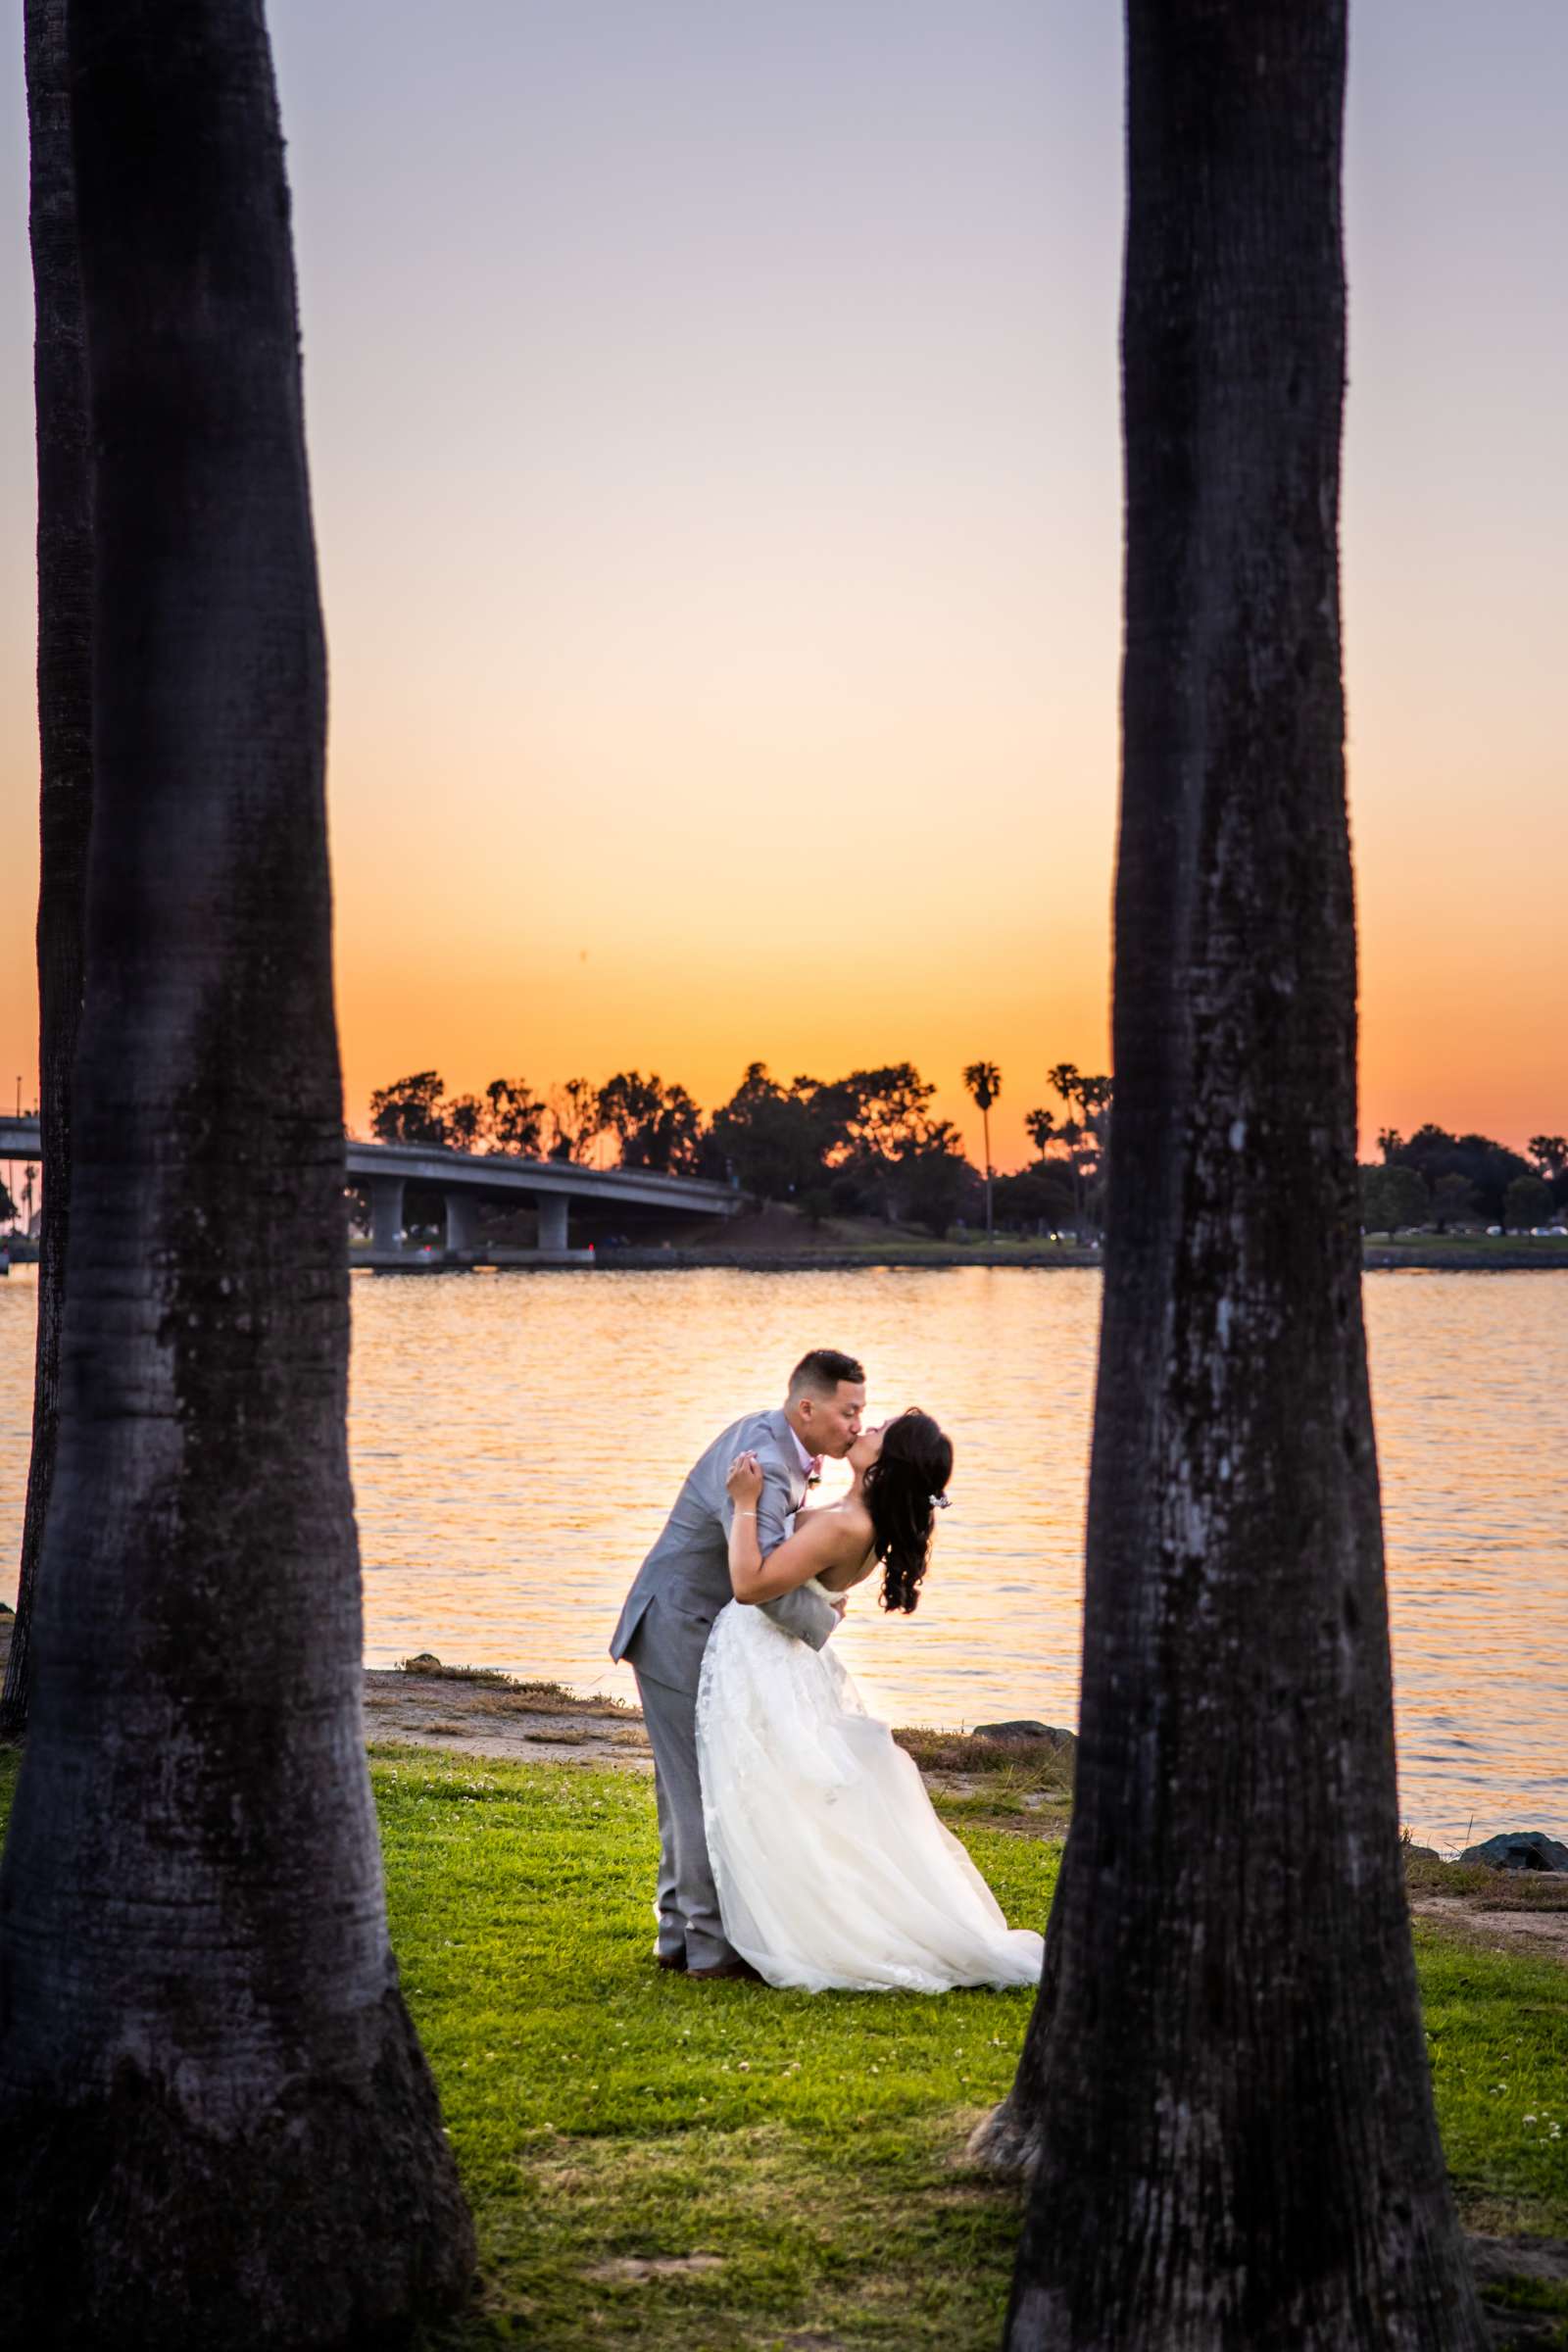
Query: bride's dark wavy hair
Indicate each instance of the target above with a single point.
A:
(915, 1462)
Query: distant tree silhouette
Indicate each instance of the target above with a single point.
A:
(772, 1136)
(1549, 1154)
(630, 1104)
(936, 1177)
(574, 1119)
(1063, 1082)
(867, 1143)
(1040, 1129)
(984, 1082)
(1453, 1198)
(1225, 2095)
(1036, 1198)
(1433, 1153)
(1526, 1202)
(1394, 1198)
(678, 1146)
(410, 1110)
(515, 1117)
(1095, 1097)
(884, 1118)
(658, 1127)
(464, 1119)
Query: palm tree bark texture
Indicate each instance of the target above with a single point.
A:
(65, 746)
(218, 2126)
(1224, 2097)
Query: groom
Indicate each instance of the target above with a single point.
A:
(678, 1592)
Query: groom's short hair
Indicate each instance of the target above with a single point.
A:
(820, 1372)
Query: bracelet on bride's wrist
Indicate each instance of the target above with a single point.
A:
(745, 1514)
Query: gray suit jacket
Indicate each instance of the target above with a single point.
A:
(685, 1582)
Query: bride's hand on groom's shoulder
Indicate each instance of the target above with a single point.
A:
(745, 1481)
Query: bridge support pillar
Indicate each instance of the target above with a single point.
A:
(552, 1220)
(461, 1221)
(386, 1211)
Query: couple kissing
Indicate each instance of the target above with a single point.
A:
(798, 1846)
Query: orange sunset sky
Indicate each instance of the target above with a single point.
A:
(714, 427)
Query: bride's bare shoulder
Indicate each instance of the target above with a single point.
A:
(847, 1547)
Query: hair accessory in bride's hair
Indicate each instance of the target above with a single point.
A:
(940, 1503)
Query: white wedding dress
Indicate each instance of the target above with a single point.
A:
(832, 1868)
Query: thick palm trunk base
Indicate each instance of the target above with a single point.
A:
(1224, 2099)
(128, 2225)
(217, 2130)
(1009, 2141)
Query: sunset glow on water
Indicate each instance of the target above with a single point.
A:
(517, 1439)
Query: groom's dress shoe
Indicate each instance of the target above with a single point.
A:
(675, 1960)
(729, 1967)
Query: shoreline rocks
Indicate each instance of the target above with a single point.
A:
(1520, 1849)
(1024, 1728)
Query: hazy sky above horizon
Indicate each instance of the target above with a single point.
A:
(714, 428)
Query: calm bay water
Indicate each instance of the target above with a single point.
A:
(517, 1442)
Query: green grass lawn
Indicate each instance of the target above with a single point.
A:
(798, 2153)
(666, 2164)
(1497, 2033)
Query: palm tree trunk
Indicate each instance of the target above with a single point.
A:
(990, 1223)
(219, 2124)
(1225, 2096)
(64, 744)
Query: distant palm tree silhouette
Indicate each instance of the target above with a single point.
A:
(1065, 1081)
(1041, 1126)
(984, 1081)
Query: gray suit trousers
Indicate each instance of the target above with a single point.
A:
(689, 1921)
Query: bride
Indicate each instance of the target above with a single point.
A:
(831, 1866)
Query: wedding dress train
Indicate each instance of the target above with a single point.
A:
(832, 1868)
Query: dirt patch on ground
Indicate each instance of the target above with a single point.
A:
(1544, 1933)
(631, 2270)
(1497, 1910)
(1524, 2290)
(481, 1714)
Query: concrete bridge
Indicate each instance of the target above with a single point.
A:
(550, 1186)
(466, 1178)
(20, 1138)
(18, 1143)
